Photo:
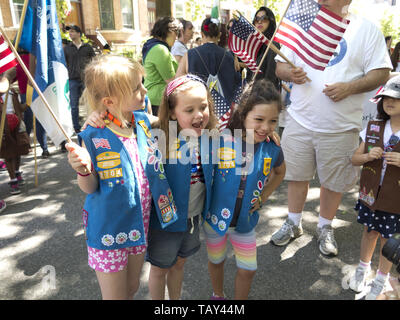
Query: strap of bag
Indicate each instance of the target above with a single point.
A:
(219, 67)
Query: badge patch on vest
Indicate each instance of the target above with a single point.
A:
(375, 128)
(105, 156)
(109, 174)
(165, 208)
(367, 198)
(146, 130)
(174, 152)
(101, 143)
(267, 166)
(227, 158)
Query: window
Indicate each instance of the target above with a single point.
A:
(17, 6)
(127, 14)
(106, 14)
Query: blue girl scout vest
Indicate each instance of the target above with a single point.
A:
(179, 174)
(113, 213)
(231, 166)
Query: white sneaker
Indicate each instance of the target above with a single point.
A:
(287, 232)
(358, 280)
(326, 241)
(378, 286)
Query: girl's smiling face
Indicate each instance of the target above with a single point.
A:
(191, 110)
(261, 121)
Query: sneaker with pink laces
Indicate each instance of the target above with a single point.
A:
(14, 187)
(21, 180)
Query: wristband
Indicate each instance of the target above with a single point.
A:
(260, 201)
(87, 174)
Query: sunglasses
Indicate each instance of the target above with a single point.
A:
(392, 142)
(261, 18)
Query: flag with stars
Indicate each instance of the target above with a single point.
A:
(245, 41)
(312, 31)
(222, 109)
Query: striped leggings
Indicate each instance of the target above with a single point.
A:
(244, 246)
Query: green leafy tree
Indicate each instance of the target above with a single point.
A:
(62, 13)
(390, 26)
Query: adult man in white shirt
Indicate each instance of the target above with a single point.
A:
(325, 119)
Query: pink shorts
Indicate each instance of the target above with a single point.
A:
(112, 260)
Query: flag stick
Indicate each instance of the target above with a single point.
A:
(34, 150)
(270, 41)
(34, 84)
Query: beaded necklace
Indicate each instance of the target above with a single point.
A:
(118, 122)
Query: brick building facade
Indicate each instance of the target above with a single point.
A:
(121, 22)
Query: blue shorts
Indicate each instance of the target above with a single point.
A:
(165, 247)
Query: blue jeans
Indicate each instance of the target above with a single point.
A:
(75, 92)
(40, 132)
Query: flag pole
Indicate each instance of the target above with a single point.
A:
(270, 41)
(35, 85)
(3, 115)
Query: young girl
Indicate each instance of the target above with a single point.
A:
(186, 109)
(12, 151)
(247, 174)
(114, 169)
(378, 205)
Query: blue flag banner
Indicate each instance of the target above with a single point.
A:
(41, 37)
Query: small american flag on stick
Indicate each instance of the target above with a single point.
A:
(312, 31)
(245, 41)
(375, 99)
(223, 111)
(7, 57)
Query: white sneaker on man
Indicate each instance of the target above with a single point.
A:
(287, 232)
(326, 241)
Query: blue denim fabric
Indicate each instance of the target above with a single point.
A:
(75, 91)
(40, 132)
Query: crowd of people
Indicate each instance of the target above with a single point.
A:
(150, 195)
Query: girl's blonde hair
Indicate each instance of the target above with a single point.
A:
(110, 76)
(169, 102)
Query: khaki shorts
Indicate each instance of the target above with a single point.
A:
(328, 154)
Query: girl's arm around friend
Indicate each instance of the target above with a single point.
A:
(96, 120)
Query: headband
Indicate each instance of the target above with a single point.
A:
(181, 80)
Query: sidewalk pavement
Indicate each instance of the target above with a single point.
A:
(43, 253)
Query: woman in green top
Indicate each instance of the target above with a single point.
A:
(159, 63)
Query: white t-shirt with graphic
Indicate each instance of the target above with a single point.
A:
(361, 50)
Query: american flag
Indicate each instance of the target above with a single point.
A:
(376, 100)
(245, 41)
(312, 31)
(222, 109)
(7, 57)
